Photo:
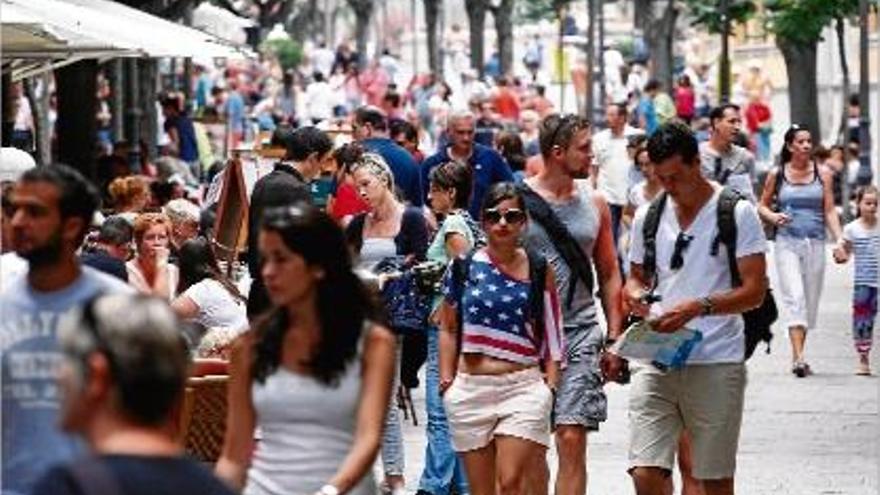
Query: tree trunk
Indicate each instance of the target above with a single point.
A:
(10, 107)
(643, 13)
(133, 114)
(39, 113)
(803, 99)
(840, 28)
(433, 11)
(150, 116)
(503, 16)
(659, 38)
(76, 88)
(476, 12)
(363, 11)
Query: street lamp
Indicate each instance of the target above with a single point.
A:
(865, 173)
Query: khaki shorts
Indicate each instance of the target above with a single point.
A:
(706, 400)
(480, 407)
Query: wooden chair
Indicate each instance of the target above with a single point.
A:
(203, 414)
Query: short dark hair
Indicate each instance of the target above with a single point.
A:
(307, 140)
(718, 112)
(671, 139)
(399, 126)
(621, 108)
(652, 85)
(115, 230)
(457, 176)
(502, 191)
(373, 116)
(79, 197)
(558, 130)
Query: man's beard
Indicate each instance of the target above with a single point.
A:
(47, 254)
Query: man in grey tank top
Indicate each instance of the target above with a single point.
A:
(723, 161)
(580, 402)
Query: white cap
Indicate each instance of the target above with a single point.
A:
(13, 163)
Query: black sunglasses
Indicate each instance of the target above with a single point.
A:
(563, 121)
(511, 216)
(681, 244)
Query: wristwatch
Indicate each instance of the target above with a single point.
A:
(328, 489)
(707, 305)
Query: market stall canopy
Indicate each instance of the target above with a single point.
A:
(221, 23)
(59, 29)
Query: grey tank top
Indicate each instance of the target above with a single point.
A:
(805, 205)
(580, 216)
(307, 430)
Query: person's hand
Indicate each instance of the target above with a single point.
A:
(445, 383)
(636, 303)
(611, 365)
(780, 219)
(162, 254)
(840, 254)
(677, 317)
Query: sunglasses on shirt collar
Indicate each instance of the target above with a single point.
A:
(681, 244)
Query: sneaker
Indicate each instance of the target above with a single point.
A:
(800, 369)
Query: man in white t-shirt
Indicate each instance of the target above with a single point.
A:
(611, 168)
(706, 396)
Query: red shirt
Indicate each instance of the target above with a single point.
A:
(507, 104)
(347, 202)
(756, 114)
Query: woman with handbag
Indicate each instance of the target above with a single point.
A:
(388, 230)
(804, 211)
(449, 196)
(314, 375)
(500, 322)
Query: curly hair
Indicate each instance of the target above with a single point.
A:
(144, 221)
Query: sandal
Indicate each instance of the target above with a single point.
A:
(800, 369)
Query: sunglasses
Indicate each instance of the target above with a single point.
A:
(511, 216)
(681, 244)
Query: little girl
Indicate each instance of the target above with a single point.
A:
(861, 237)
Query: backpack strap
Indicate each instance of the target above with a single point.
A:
(649, 235)
(538, 284)
(93, 477)
(566, 245)
(461, 269)
(727, 201)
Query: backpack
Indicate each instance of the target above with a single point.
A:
(460, 273)
(757, 320)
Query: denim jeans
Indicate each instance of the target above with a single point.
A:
(443, 469)
(392, 435)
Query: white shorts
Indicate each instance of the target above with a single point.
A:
(479, 407)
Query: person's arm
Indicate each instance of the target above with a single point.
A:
(376, 377)
(605, 260)
(553, 333)
(753, 272)
(831, 218)
(238, 441)
(765, 210)
(447, 317)
(184, 307)
(173, 142)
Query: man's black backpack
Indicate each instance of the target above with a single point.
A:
(758, 320)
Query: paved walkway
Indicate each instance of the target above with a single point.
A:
(812, 436)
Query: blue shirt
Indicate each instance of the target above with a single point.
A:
(646, 108)
(32, 442)
(235, 111)
(186, 134)
(488, 166)
(403, 166)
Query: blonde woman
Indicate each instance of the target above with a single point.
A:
(149, 271)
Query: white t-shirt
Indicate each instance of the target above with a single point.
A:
(702, 274)
(613, 163)
(217, 307)
(12, 267)
(865, 242)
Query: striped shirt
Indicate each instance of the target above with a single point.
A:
(495, 312)
(865, 241)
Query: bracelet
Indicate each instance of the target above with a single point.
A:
(707, 305)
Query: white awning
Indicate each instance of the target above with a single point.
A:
(53, 29)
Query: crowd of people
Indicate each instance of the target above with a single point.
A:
(476, 237)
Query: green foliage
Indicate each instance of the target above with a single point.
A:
(288, 52)
(537, 10)
(705, 13)
(800, 22)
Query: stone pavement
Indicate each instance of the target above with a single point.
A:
(812, 436)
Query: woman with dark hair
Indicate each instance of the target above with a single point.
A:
(315, 375)
(510, 145)
(496, 396)
(206, 295)
(801, 208)
(449, 196)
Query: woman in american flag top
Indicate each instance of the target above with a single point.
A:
(498, 383)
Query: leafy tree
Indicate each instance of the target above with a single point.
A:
(797, 26)
(288, 52)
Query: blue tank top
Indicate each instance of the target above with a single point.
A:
(805, 205)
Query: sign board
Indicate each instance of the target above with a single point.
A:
(230, 228)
